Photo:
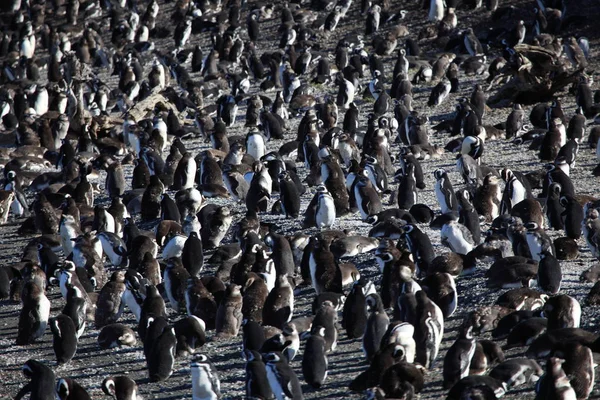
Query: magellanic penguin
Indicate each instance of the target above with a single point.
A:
(314, 360)
(376, 325)
(120, 387)
(116, 335)
(429, 330)
(517, 371)
(205, 379)
(257, 383)
(41, 381)
(458, 358)
(538, 241)
(555, 383)
(562, 311)
(549, 276)
(457, 237)
(34, 315)
(161, 356)
(70, 389)
(109, 306)
(64, 340)
(282, 378)
(579, 367)
(445, 192)
(420, 246)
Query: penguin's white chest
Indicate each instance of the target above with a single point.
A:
(325, 215)
(255, 146)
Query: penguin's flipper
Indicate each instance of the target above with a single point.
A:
(24, 390)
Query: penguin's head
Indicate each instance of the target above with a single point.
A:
(439, 173)
(531, 226)
(271, 358)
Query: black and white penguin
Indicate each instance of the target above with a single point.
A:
(573, 216)
(441, 289)
(257, 383)
(205, 379)
(420, 246)
(76, 308)
(538, 241)
(192, 255)
(282, 378)
(279, 305)
(314, 360)
(326, 317)
(70, 389)
(35, 311)
(376, 325)
(114, 247)
(64, 340)
(175, 281)
(290, 198)
(324, 209)
(407, 190)
(354, 315)
(429, 330)
(120, 387)
(457, 236)
(457, 361)
(514, 192)
(108, 306)
(445, 192)
(549, 276)
(161, 356)
(555, 383)
(579, 367)
(439, 93)
(41, 381)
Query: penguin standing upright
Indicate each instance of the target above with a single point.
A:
(229, 313)
(376, 326)
(282, 378)
(445, 192)
(161, 357)
(257, 383)
(70, 389)
(325, 211)
(573, 216)
(407, 190)
(64, 340)
(41, 381)
(192, 256)
(458, 357)
(538, 241)
(554, 208)
(314, 361)
(290, 198)
(549, 276)
(205, 379)
(115, 180)
(34, 315)
(420, 246)
(429, 330)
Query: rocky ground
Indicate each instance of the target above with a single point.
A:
(91, 364)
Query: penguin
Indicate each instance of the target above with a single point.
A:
(407, 190)
(457, 237)
(420, 246)
(114, 247)
(161, 356)
(439, 93)
(175, 281)
(35, 311)
(436, 10)
(538, 241)
(477, 386)
(314, 360)
(152, 307)
(562, 311)
(445, 192)
(324, 271)
(517, 371)
(429, 330)
(109, 304)
(64, 340)
(458, 357)
(279, 305)
(573, 216)
(324, 209)
(76, 308)
(116, 335)
(70, 389)
(441, 289)
(205, 379)
(115, 180)
(579, 368)
(257, 383)
(549, 276)
(290, 198)
(326, 316)
(120, 387)
(376, 325)
(41, 381)
(555, 383)
(169, 210)
(282, 378)
(229, 313)
(192, 256)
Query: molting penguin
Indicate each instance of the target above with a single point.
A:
(229, 313)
